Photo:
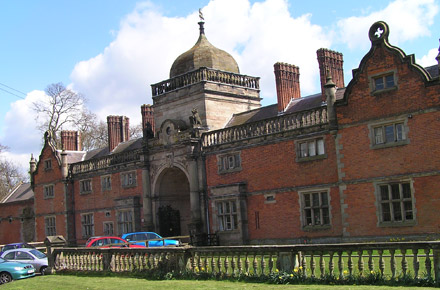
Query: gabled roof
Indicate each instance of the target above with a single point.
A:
(433, 70)
(21, 191)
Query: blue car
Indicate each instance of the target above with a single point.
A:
(13, 271)
(139, 238)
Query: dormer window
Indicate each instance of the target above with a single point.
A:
(48, 164)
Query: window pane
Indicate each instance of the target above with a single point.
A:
(389, 133)
(395, 191)
(235, 221)
(389, 79)
(406, 190)
(384, 192)
(303, 152)
(227, 208)
(237, 160)
(386, 216)
(397, 211)
(234, 207)
(320, 143)
(312, 149)
(378, 83)
(378, 135)
(399, 132)
(315, 197)
(220, 208)
(325, 216)
(307, 200)
(408, 210)
(308, 216)
(317, 216)
(324, 200)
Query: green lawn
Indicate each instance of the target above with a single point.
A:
(79, 283)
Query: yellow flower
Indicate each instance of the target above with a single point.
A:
(281, 277)
(203, 269)
(371, 272)
(300, 267)
(295, 270)
(345, 272)
(291, 275)
(276, 270)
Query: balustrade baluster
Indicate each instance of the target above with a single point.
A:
(331, 264)
(350, 263)
(416, 263)
(381, 262)
(239, 264)
(427, 263)
(219, 265)
(393, 263)
(270, 263)
(404, 262)
(213, 262)
(233, 264)
(370, 261)
(263, 264)
(200, 260)
(322, 264)
(246, 263)
(304, 264)
(340, 265)
(360, 263)
(312, 265)
(255, 264)
(226, 264)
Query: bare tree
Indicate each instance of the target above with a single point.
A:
(94, 133)
(62, 108)
(10, 174)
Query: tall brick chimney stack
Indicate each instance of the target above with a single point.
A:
(147, 116)
(333, 62)
(287, 82)
(118, 127)
(71, 140)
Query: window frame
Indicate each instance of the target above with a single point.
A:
(391, 201)
(125, 179)
(304, 208)
(87, 225)
(109, 225)
(307, 141)
(85, 186)
(48, 191)
(229, 162)
(50, 225)
(48, 164)
(382, 125)
(106, 183)
(125, 226)
(383, 76)
(223, 223)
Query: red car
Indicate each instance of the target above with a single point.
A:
(110, 242)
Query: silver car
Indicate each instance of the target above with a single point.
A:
(28, 256)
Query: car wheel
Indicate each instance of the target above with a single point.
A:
(5, 278)
(43, 270)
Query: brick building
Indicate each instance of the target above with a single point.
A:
(349, 163)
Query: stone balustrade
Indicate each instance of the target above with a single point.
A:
(274, 125)
(389, 260)
(106, 161)
(205, 74)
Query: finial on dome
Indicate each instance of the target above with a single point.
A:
(202, 22)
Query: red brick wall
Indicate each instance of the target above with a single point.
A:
(12, 231)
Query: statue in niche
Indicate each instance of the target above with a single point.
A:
(194, 119)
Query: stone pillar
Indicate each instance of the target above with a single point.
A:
(194, 192)
(148, 224)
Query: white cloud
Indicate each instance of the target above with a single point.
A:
(20, 133)
(407, 19)
(429, 59)
(118, 80)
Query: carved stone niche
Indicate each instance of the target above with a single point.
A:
(168, 133)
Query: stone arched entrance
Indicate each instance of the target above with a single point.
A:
(172, 206)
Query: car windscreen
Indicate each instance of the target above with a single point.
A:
(8, 247)
(38, 254)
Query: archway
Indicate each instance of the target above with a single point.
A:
(173, 207)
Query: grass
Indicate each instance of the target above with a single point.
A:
(67, 282)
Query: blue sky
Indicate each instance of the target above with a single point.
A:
(111, 51)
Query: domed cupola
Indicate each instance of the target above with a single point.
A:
(203, 54)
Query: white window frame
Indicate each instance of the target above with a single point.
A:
(48, 191)
(386, 86)
(106, 183)
(230, 162)
(50, 227)
(108, 228)
(315, 216)
(125, 225)
(85, 186)
(227, 215)
(128, 179)
(378, 133)
(87, 225)
(310, 149)
(393, 199)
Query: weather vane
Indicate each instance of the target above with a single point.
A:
(201, 15)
